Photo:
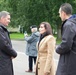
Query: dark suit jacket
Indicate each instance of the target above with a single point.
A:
(6, 52)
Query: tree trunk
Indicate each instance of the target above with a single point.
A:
(58, 33)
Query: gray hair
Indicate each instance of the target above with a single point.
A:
(35, 29)
(4, 14)
(67, 8)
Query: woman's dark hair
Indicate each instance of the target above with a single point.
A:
(47, 27)
(67, 8)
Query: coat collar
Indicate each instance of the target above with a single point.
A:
(4, 27)
(63, 23)
(41, 42)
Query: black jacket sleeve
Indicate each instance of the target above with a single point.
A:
(67, 39)
(31, 38)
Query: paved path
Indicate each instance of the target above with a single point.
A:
(21, 64)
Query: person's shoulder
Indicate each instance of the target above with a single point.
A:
(50, 37)
(36, 34)
(68, 23)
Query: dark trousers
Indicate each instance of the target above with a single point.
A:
(31, 59)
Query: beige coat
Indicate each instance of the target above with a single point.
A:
(45, 59)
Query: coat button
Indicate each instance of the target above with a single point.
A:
(38, 62)
(38, 68)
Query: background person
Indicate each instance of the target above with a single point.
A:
(7, 53)
(67, 48)
(45, 60)
(31, 49)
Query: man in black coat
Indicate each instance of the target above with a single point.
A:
(7, 53)
(67, 48)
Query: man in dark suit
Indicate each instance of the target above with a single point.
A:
(7, 53)
(67, 48)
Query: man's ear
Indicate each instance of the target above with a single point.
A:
(63, 12)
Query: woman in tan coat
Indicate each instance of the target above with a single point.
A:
(45, 61)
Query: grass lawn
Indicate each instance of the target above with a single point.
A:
(58, 42)
(20, 36)
(17, 36)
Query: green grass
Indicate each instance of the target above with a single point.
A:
(17, 36)
(58, 41)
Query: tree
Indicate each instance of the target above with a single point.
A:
(29, 12)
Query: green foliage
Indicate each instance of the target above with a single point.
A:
(32, 12)
(4, 5)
